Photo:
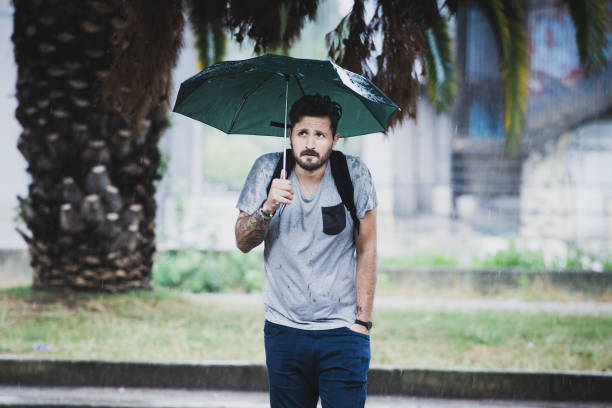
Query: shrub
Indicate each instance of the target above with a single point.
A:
(208, 271)
(512, 256)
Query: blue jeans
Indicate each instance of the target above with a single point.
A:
(305, 364)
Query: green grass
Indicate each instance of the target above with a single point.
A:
(422, 259)
(166, 325)
(158, 325)
(495, 340)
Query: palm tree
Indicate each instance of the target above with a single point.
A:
(91, 124)
(93, 84)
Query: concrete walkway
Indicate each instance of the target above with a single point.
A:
(98, 397)
(581, 308)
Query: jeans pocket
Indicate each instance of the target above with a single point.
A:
(362, 335)
(271, 329)
(334, 219)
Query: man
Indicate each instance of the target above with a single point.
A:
(320, 272)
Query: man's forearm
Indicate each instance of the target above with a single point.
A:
(365, 283)
(250, 230)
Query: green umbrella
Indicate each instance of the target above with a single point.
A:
(251, 96)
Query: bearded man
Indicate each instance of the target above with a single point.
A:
(320, 262)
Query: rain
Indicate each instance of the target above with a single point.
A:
(121, 279)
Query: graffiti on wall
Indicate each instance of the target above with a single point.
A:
(554, 54)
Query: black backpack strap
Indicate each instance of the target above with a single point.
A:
(279, 168)
(344, 185)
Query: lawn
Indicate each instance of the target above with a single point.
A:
(167, 325)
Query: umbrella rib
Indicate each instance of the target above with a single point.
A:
(299, 85)
(244, 98)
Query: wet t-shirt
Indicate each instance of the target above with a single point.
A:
(309, 253)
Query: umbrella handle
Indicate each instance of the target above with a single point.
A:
(283, 174)
(285, 134)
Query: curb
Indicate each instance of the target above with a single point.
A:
(231, 375)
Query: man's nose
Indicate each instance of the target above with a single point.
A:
(310, 141)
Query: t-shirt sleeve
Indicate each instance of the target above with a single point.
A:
(364, 191)
(254, 192)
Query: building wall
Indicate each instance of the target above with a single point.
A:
(421, 153)
(566, 193)
(562, 94)
(13, 176)
(555, 189)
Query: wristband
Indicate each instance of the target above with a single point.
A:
(367, 325)
(264, 215)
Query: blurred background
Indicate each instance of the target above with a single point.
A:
(447, 194)
(468, 235)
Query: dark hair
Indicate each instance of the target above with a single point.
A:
(317, 106)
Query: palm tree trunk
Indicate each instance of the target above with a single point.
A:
(90, 208)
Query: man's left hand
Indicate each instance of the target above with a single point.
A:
(359, 329)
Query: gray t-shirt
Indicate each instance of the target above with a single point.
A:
(309, 254)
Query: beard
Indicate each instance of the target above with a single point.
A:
(313, 165)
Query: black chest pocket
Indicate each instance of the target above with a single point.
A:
(334, 219)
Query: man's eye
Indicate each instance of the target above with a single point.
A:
(302, 133)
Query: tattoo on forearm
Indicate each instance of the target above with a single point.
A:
(359, 310)
(251, 230)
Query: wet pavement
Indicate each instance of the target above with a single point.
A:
(98, 397)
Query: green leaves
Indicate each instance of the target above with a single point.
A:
(208, 21)
(407, 30)
(509, 26)
(355, 36)
(591, 20)
(441, 69)
(515, 75)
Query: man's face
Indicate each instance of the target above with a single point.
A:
(312, 141)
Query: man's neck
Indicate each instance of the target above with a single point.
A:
(310, 178)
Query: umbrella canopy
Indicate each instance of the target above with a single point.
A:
(250, 96)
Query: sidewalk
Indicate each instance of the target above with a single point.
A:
(97, 397)
(581, 308)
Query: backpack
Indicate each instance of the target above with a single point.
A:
(340, 173)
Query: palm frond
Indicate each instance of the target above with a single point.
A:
(403, 42)
(515, 75)
(591, 21)
(297, 13)
(262, 21)
(507, 21)
(208, 19)
(350, 44)
(451, 5)
(441, 69)
(494, 13)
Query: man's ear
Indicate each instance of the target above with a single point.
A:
(336, 138)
